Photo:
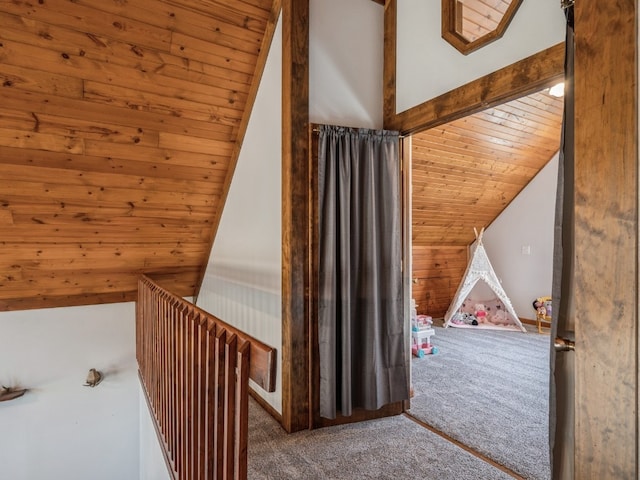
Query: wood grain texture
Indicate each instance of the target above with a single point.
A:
(389, 63)
(203, 422)
(120, 127)
(466, 172)
(606, 240)
(471, 24)
(295, 215)
(529, 75)
(473, 150)
(436, 274)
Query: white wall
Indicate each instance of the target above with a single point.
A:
(243, 282)
(345, 62)
(60, 428)
(526, 222)
(152, 463)
(428, 66)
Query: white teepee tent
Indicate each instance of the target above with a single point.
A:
(471, 295)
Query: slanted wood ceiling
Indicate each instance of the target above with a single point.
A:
(466, 172)
(119, 129)
(120, 124)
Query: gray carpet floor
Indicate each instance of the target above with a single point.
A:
(489, 390)
(391, 448)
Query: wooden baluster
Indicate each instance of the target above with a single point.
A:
(219, 403)
(189, 392)
(242, 411)
(194, 371)
(210, 399)
(201, 400)
(173, 380)
(229, 386)
(179, 390)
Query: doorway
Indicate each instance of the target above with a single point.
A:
(498, 167)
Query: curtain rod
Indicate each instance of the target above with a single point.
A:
(317, 130)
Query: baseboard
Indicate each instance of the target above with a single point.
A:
(529, 321)
(266, 406)
(360, 415)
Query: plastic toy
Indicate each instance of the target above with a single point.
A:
(421, 345)
(424, 349)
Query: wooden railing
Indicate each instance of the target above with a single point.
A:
(195, 370)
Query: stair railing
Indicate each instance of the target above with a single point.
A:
(195, 371)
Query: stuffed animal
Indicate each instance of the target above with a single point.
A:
(500, 318)
(480, 311)
(464, 318)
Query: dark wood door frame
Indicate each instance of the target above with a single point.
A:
(300, 379)
(359, 414)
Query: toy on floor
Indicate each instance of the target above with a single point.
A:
(421, 333)
(425, 349)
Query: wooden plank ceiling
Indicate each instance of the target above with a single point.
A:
(476, 18)
(119, 128)
(466, 172)
(120, 125)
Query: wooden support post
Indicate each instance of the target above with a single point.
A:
(295, 214)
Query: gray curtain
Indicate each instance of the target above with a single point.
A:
(562, 393)
(363, 357)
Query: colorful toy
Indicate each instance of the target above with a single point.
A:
(424, 349)
(542, 306)
(421, 337)
(421, 333)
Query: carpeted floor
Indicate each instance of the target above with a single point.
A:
(392, 448)
(489, 390)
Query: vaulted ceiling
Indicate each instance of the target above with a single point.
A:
(119, 129)
(120, 126)
(466, 172)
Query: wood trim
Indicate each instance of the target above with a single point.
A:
(295, 215)
(314, 239)
(459, 42)
(389, 63)
(606, 239)
(242, 130)
(362, 415)
(464, 447)
(263, 356)
(195, 372)
(265, 405)
(52, 301)
(514, 81)
(407, 251)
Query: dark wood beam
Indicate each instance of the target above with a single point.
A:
(389, 65)
(527, 76)
(295, 215)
